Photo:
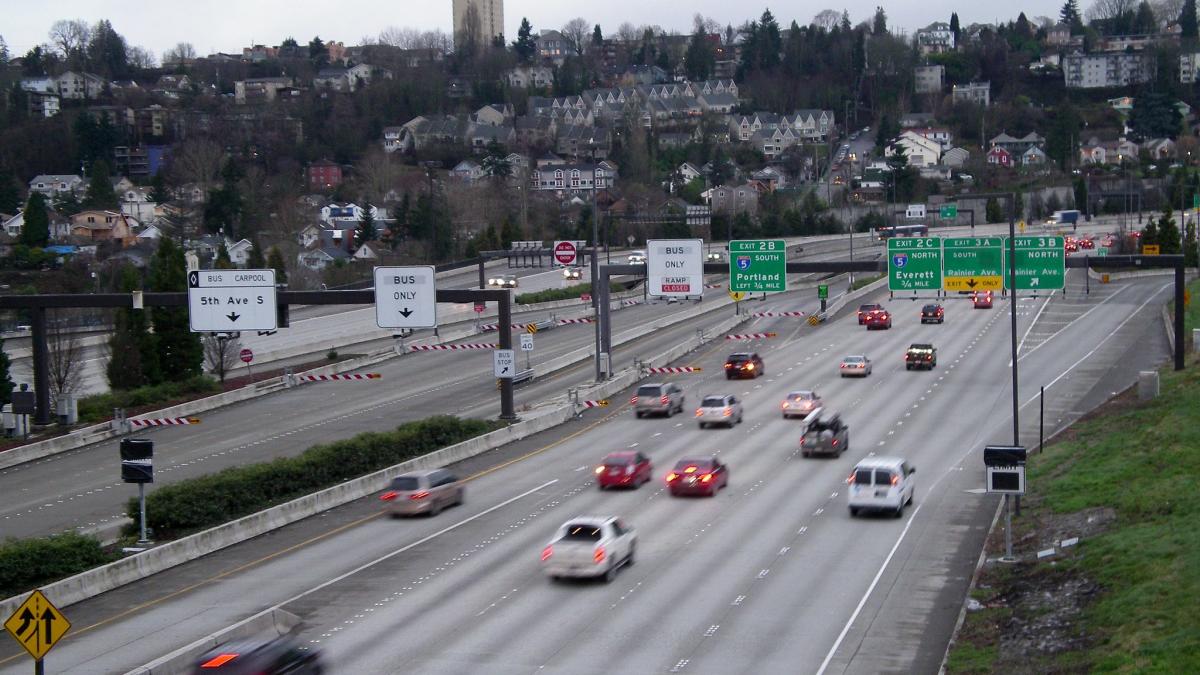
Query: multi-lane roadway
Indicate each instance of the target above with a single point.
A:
(770, 576)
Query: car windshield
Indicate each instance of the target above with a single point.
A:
(649, 391)
(931, 308)
(618, 460)
(582, 532)
(802, 396)
(713, 402)
(405, 483)
(739, 358)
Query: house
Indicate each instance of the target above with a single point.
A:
(317, 259)
(732, 200)
(929, 79)
(721, 103)
(344, 79)
(467, 171)
(527, 77)
(689, 172)
(99, 225)
(1160, 148)
(172, 85)
(531, 130)
(583, 141)
(1058, 35)
(1108, 69)
(936, 38)
(150, 233)
(1017, 146)
(940, 135)
(12, 225)
(42, 104)
(370, 251)
(642, 75)
(569, 179)
(79, 86)
(480, 136)
(56, 185)
(810, 125)
(324, 175)
(979, 93)
(919, 150)
(259, 89)
(913, 120)
(769, 177)
(1189, 66)
(1034, 156)
(239, 252)
(553, 45)
(955, 158)
(391, 139)
(135, 201)
(999, 156)
(494, 114)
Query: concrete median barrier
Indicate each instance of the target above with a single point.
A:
(271, 623)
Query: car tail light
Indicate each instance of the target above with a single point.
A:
(388, 496)
(850, 479)
(895, 479)
(727, 412)
(906, 357)
(633, 401)
(599, 469)
(843, 365)
(835, 442)
(749, 366)
(418, 496)
(672, 476)
(664, 400)
(728, 365)
(220, 660)
(785, 405)
(598, 556)
(547, 552)
(706, 478)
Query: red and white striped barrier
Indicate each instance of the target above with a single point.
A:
(630, 302)
(163, 422)
(750, 336)
(452, 348)
(714, 285)
(673, 369)
(564, 322)
(345, 376)
(594, 404)
(489, 327)
(759, 315)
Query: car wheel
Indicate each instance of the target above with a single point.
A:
(435, 509)
(632, 557)
(637, 414)
(853, 511)
(462, 497)
(899, 511)
(805, 453)
(910, 497)
(908, 366)
(702, 425)
(610, 574)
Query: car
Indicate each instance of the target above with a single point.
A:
(1071, 247)
(920, 355)
(1087, 243)
(503, 281)
(637, 257)
(654, 398)
(744, 365)
(627, 468)
(982, 299)
(933, 314)
(698, 476)
(864, 310)
(825, 434)
(800, 403)
(713, 256)
(719, 409)
(879, 318)
(589, 547)
(422, 492)
(881, 484)
(261, 657)
(572, 273)
(855, 365)
(838, 180)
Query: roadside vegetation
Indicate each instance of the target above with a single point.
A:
(1126, 598)
(552, 294)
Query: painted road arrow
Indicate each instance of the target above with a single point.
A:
(233, 317)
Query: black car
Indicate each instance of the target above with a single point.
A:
(933, 314)
(261, 657)
(743, 364)
(920, 355)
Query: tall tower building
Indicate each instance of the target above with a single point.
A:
(480, 20)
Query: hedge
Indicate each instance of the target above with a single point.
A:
(195, 504)
(26, 564)
(552, 294)
(99, 407)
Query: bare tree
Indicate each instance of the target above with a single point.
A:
(436, 39)
(403, 38)
(377, 174)
(577, 32)
(140, 57)
(470, 38)
(182, 52)
(1167, 11)
(198, 161)
(221, 352)
(628, 34)
(1102, 10)
(65, 355)
(70, 36)
(827, 19)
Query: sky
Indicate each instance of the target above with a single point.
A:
(229, 25)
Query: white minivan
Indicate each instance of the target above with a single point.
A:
(881, 484)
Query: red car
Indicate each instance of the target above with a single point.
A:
(627, 468)
(698, 476)
(1087, 243)
(864, 310)
(983, 299)
(1071, 247)
(879, 318)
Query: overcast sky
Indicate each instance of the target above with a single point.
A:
(226, 25)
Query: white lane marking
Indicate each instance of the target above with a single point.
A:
(1039, 345)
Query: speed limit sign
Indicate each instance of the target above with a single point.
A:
(526, 342)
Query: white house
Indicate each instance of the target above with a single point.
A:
(920, 150)
(55, 185)
(79, 86)
(239, 253)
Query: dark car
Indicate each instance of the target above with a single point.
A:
(983, 299)
(864, 310)
(920, 356)
(701, 476)
(261, 657)
(627, 468)
(879, 318)
(933, 314)
(743, 364)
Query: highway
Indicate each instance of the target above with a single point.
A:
(771, 576)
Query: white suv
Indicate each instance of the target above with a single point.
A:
(881, 484)
(719, 409)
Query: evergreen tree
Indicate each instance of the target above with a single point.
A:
(954, 27)
(1145, 23)
(275, 262)
(254, 258)
(10, 195)
(36, 231)
(1070, 15)
(524, 45)
(699, 60)
(223, 261)
(6, 383)
(1187, 21)
(510, 232)
(1154, 115)
(597, 36)
(100, 193)
(181, 353)
(366, 230)
(1168, 233)
(992, 211)
(159, 194)
(1080, 194)
(770, 43)
(1191, 252)
(68, 204)
(1150, 234)
(131, 343)
(879, 23)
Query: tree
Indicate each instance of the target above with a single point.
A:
(317, 52)
(10, 195)
(597, 36)
(1150, 234)
(223, 262)
(3, 51)
(158, 189)
(65, 357)
(100, 193)
(71, 38)
(879, 23)
(6, 383)
(221, 353)
(992, 211)
(826, 19)
(1064, 130)
(576, 30)
(183, 53)
(366, 230)
(954, 27)
(524, 45)
(132, 356)
(275, 262)
(699, 61)
(180, 352)
(1191, 252)
(1187, 21)
(107, 53)
(36, 231)
(198, 162)
(254, 258)
(1070, 15)
(1168, 233)
(1154, 115)
(1145, 23)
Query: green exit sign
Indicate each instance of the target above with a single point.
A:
(948, 211)
(758, 266)
(823, 292)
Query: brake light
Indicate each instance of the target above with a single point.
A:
(598, 556)
(599, 469)
(749, 366)
(706, 478)
(727, 412)
(690, 469)
(388, 496)
(728, 365)
(699, 412)
(664, 400)
(843, 365)
(219, 660)
(785, 404)
(418, 496)
(895, 479)
(672, 476)
(850, 479)
(906, 356)
(835, 441)
(633, 401)
(547, 552)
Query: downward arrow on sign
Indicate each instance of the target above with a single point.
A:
(971, 283)
(406, 312)
(232, 316)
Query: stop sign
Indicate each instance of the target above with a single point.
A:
(564, 252)
(246, 355)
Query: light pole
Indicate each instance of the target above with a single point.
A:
(595, 261)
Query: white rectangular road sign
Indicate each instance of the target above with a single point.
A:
(526, 342)
(221, 301)
(504, 362)
(675, 267)
(915, 211)
(405, 297)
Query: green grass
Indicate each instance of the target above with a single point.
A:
(863, 281)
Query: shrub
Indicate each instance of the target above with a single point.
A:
(198, 503)
(99, 407)
(26, 564)
(552, 294)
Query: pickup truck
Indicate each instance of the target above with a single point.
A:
(825, 434)
(590, 546)
(920, 356)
